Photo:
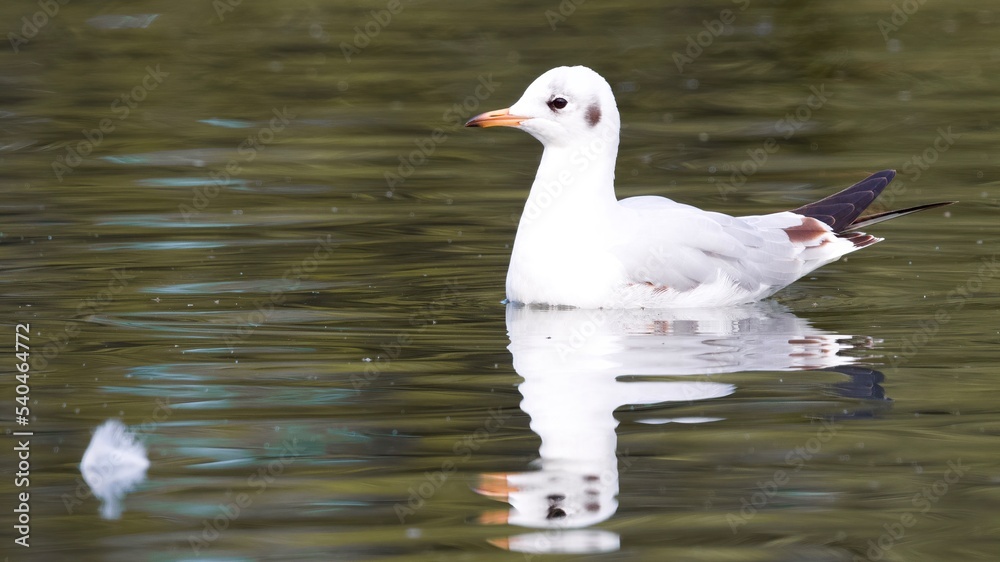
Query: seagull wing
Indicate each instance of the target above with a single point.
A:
(680, 247)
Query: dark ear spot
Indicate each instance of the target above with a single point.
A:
(593, 114)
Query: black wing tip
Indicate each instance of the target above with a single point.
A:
(936, 205)
(841, 209)
(862, 222)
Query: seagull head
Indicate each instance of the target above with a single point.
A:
(566, 106)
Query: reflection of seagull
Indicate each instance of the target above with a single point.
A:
(577, 245)
(577, 481)
(581, 365)
(113, 464)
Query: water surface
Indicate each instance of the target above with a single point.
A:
(260, 238)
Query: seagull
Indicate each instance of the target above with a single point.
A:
(577, 245)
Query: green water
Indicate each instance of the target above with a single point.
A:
(257, 234)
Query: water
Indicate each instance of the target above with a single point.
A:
(282, 270)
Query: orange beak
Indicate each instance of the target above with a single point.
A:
(495, 485)
(498, 118)
(493, 517)
(503, 544)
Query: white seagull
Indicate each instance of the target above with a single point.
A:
(577, 245)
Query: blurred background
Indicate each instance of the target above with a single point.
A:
(257, 234)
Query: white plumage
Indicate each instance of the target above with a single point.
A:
(114, 463)
(577, 245)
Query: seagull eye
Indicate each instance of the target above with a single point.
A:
(557, 103)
